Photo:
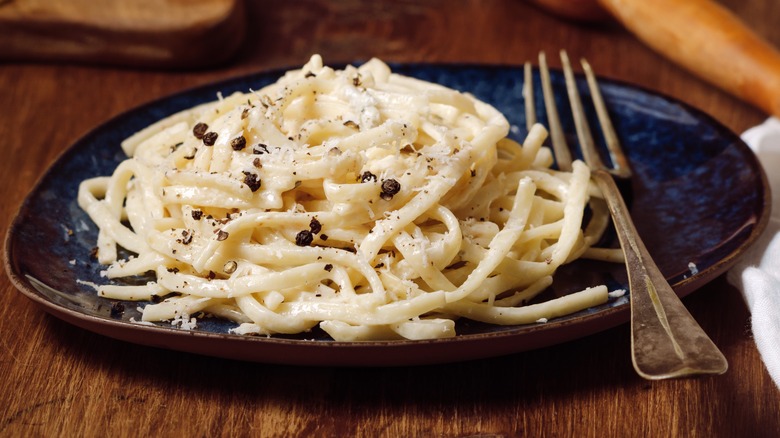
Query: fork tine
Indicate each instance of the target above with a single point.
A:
(584, 135)
(620, 165)
(561, 149)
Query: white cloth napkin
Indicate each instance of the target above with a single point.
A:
(757, 274)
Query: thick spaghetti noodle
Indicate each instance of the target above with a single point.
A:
(372, 204)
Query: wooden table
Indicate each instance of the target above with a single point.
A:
(58, 380)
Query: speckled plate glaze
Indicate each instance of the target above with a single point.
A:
(699, 199)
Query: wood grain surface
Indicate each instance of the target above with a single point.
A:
(170, 34)
(57, 380)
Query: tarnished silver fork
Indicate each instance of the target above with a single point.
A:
(666, 341)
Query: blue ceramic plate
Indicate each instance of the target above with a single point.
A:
(699, 198)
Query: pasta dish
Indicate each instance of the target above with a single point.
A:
(366, 203)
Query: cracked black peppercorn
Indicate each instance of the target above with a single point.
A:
(197, 214)
(238, 143)
(315, 226)
(389, 188)
(210, 138)
(199, 130)
(304, 238)
(252, 181)
(367, 176)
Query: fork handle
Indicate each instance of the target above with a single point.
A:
(666, 341)
(709, 40)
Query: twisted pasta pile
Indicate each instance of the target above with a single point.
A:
(374, 205)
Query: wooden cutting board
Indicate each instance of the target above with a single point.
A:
(168, 34)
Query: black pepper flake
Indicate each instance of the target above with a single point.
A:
(309, 75)
(315, 226)
(211, 275)
(324, 236)
(260, 149)
(199, 130)
(117, 309)
(457, 265)
(186, 237)
(473, 172)
(173, 270)
(304, 238)
(222, 235)
(197, 214)
(351, 124)
(252, 180)
(210, 138)
(245, 113)
(256, 162)
(368, 176)
(389, 188)
(328, 267)
(379, 265)
(238, 143)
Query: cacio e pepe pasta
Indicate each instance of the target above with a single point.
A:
(370, 204)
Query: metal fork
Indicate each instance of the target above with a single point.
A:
(666, 341)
